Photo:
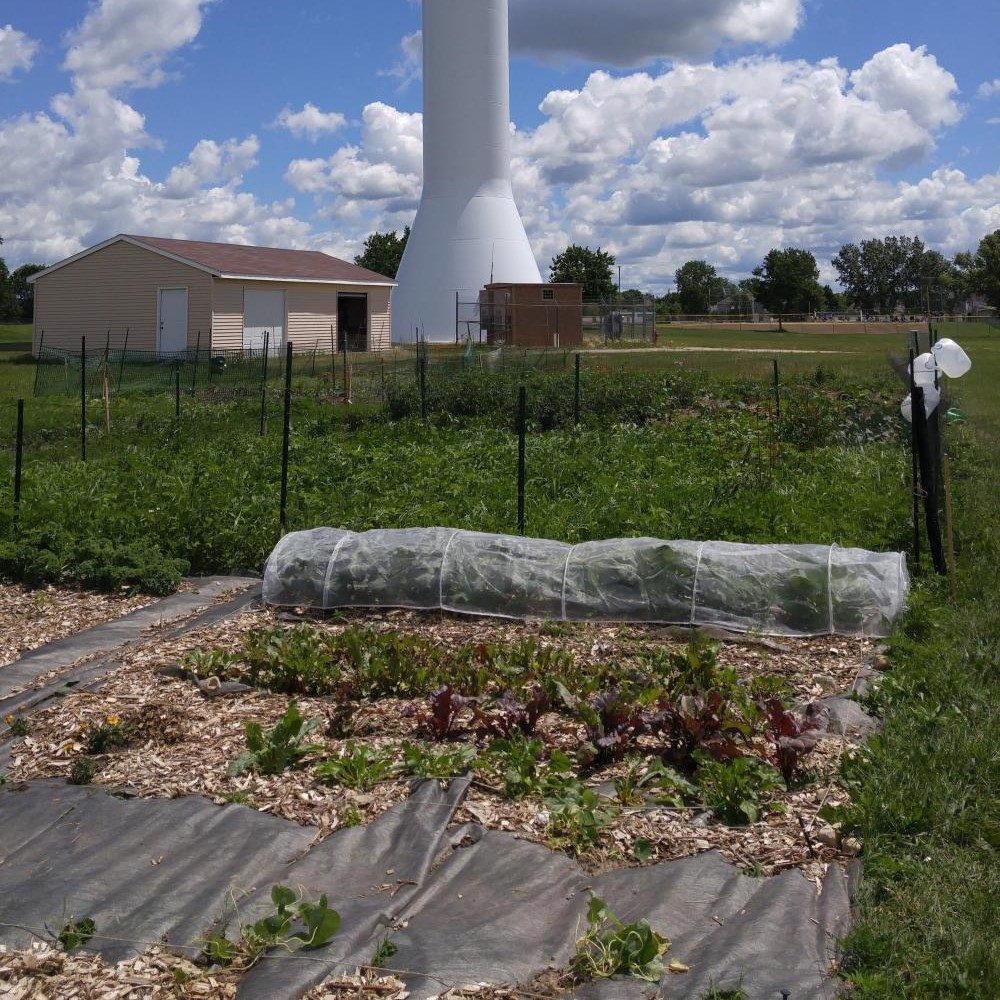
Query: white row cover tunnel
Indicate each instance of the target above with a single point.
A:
(770, 589)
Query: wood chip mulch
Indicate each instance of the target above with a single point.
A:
(182, 743)
(29, 618)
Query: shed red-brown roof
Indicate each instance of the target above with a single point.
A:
(237, 261)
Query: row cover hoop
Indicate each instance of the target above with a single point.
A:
(767, 589)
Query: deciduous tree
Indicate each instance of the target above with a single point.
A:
(788, 282)
(590, 268)
(698, 285)
(982, 269)
(8, 304)
(383, 252)
(877, 274)
(24, 291)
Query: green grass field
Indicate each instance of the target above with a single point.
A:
(19, 333)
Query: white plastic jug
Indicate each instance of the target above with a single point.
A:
(951, 359)
(924, 368)
(931, 399)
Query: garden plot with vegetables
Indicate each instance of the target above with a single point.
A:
(616, 744)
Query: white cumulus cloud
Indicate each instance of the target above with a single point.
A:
(385, 167)
(124, 43)
(310, 122)
(900, 78)
(17, 51)
(71, 177)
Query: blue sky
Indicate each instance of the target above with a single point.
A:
(663, 132)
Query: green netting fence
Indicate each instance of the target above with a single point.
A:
(232, 372)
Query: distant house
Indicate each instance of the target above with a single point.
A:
(154, 294)
(740, 304)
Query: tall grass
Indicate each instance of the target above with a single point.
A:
(925, 790)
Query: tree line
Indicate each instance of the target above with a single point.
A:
(878, 276)
(17, 296)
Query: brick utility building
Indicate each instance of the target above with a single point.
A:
(148, 293)
(532, 315)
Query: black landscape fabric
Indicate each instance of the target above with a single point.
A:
(461, 904)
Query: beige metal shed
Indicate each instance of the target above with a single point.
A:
(164, 295)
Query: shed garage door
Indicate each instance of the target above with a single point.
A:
(263, 314)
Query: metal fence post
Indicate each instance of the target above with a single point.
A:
(576, 393)
(927, 479)
(38, 362)
(263, 382)
(777, 391)
(423, 386)
(18, 452)
(83, 398)
(197, 354)
(522, 403)
(914, 473)
(283, 506)
(177, 392)
(121, 363)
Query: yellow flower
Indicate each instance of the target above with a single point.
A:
(112, 720)
(8, 719)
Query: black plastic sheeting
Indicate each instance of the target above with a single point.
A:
(461, 904)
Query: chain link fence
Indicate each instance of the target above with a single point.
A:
(504, 321)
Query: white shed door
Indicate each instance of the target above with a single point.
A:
(173, 333)
(263, 312)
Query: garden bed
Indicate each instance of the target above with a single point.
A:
(180, 742)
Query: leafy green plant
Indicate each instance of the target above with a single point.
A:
(279, 749)
(734, 788)
(653, 780)
(519, 760)
(351, 816)
(612, 722)
(610, 947)
(17, 725)
(296, 924)
(297, 660)
(423, 761)
(359, 767)
(733, 993)
(51, 554)
(385, 950)
(76, 933)
(577, 814)
(112, 733)
(387, 664)
(205, 663)
(238, 799)
(82, 770)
